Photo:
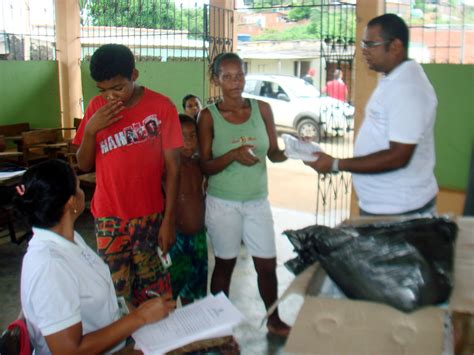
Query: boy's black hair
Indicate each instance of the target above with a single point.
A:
(391, 27)
(187, 97)
(215, 67)
(111, 60)
(184, 118)
(48, 187)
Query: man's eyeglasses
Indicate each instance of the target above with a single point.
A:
(372, 44)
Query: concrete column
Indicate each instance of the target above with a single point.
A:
(68, 50)
(365, 79)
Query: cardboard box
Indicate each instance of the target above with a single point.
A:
(338, 327)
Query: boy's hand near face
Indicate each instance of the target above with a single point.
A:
(105, 116)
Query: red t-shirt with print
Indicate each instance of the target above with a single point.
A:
(129, 157)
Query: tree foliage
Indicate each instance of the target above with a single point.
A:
(324, 23)
(299, 13)
(153, 14)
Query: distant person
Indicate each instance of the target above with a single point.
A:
(67, 294)
(236, 135)
(192, 105)
(394, 155)
(336, 88)
(309, 76)
(132, 136)
(189, 253)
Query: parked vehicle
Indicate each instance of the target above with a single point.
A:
(298, 105)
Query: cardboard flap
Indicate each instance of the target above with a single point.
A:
(462, 297)
(299, 286)
(326, 326)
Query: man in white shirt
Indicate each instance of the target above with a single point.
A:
(393, 167)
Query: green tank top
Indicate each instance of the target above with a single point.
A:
(238, 182)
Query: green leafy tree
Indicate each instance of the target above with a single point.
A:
(162, 14)
(299, 13)
(324, 23)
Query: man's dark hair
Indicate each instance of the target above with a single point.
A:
(111, 60)
(391, 27)
(187, 97)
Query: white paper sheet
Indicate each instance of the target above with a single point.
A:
(5, 175)
(211, 317)
(298, 149)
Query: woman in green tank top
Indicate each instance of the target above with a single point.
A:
(235, 137)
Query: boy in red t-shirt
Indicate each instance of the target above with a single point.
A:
(132, 135)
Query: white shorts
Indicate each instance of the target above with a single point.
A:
(230, 222)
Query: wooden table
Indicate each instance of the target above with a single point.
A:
(16, 140)
(87, 179)
(7, 191)
(51, 149)
(9, 155)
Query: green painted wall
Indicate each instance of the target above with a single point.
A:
(29, 92)
(454, 130)
(173, 79)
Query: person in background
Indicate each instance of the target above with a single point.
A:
(236, 135)
(336, 88)
(192, 105)
(189, 253)
(131, 218)
(67, 294)
(394, 156)
(309, 76)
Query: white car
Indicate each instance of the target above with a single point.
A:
(298, 105)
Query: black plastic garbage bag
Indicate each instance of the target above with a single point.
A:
(406, 264)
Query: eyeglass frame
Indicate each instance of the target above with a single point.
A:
(372, 44)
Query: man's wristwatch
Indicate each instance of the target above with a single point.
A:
(335, 166)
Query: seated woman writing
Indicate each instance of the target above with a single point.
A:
(67, 294)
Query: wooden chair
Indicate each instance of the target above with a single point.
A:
(11, 156)
(72, 149)
(77, 122)
(15, 129)
(12, 133)
(41, 144)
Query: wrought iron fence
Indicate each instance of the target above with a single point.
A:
(268, 4)
(440, 31)
(155, 30)
(325, 44)
(219, 27)
(27, 30)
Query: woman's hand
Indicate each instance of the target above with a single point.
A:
(156, 308)
(245, 155)
(104, 116)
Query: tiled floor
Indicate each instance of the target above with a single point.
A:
(251, 337)
(244, 293)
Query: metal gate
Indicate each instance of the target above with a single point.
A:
(219, 37)
(334, 26)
